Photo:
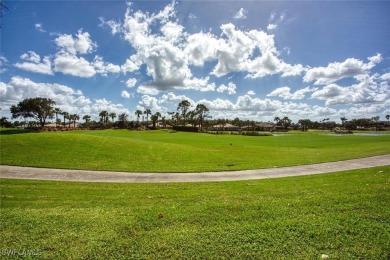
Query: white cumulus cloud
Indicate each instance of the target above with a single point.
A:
(147, 90)
(125, 94)
(32, 62)
(39, 27)
(21, 88)
(148, 102)
(131, 82)
(167, 51)
(174, 99)
(103, 68)
(285, 93)
(67, 63)
(241, 14)
(3, 64)
(80, 44)
(385, 77)
(271, 26)
(367, 90)
(230, 88)
(338, 70)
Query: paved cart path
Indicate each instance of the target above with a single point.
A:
(16, 172)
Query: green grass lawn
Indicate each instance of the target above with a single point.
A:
(161, 151)
(345, 215)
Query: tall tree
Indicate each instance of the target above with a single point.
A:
(66, 115)
(277, 120)
(75, 118)
(304, 124)
(237, 122)
(176, 118)
(202, 111)
(57, 111)
(71, 119)
(4, 122)
(286, 122)
(122, 119)
(375, 120)
(87, 118)
(163, 121)
(147, 112)
(155, 118)
(192, 117)
(183, 107)
(343, 120)
(113, 116)
(172, 114)
(138, 113)
(104, 116)
(37, 108)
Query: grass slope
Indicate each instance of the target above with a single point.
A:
(161, 151)
(345, 215)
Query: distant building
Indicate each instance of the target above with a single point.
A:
(224, 127)
(268, 127)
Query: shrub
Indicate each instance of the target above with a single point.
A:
(339, 130)
(254, 133)
(185, 128)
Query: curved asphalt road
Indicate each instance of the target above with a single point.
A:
(15, 172)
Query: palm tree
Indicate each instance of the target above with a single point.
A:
(74, 118)
(305, 124)
(387, 117)
(71, 118)
(66, 115)
(343, 120)
(163, 121)
(112, 115)
(155, 119)
(147, 112)
(236, 121)
(374, 121)
(138, 113)
(122, 119)
(277, 120)
(57, 111)
(286, 122)
(87, 118)
(104, 116)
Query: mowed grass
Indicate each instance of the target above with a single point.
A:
(345, 215)
(162, 151)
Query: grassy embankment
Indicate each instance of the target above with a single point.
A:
(161, 151)
(344, 215)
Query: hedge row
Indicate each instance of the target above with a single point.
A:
(185, 128)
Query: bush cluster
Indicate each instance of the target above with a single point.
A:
(185, 128)
(255, 133)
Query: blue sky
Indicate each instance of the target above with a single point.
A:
(247, 59)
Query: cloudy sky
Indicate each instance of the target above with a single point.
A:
(247, 59)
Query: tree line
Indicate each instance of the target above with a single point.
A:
(42, 109)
